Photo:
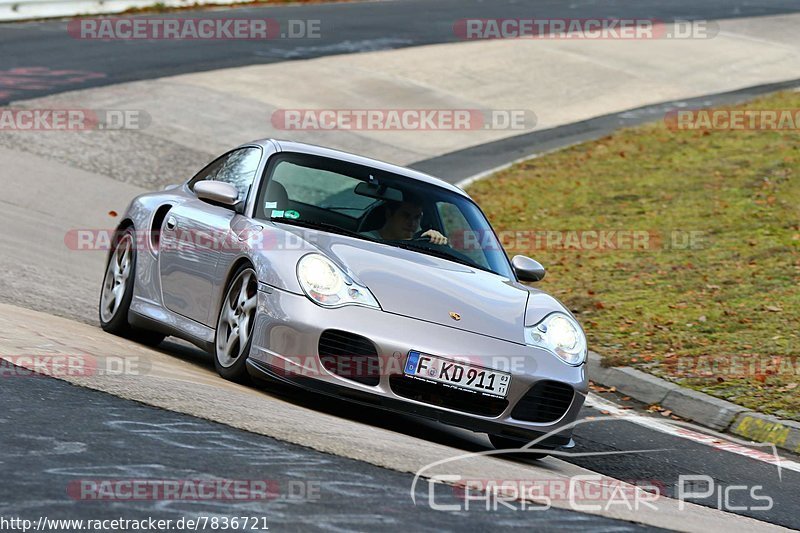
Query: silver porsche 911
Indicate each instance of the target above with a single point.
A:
(350, 277)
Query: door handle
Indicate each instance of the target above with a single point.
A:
(172, 223)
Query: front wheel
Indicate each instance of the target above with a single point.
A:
(235, 325)
(117, 291)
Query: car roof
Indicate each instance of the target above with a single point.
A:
(311, 149)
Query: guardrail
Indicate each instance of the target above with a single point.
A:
(11, 10)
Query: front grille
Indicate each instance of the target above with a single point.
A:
(442, 396)
(546, 401)
(350, 356)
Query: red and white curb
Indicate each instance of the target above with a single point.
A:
(677, 429)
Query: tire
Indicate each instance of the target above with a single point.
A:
(235, 324)
(116, 292)
(504, 443)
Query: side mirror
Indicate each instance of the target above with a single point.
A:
(527, 269)
(218, 192)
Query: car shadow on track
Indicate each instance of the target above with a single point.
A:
(424, 429)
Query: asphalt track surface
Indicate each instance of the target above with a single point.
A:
(101, 437)
(71, 63)
(78, 434)
(474, 161)
(96, 428)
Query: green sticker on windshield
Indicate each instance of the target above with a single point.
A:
(291, 214)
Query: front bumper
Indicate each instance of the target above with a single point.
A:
(286, 339)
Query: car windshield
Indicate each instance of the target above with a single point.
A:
(372, 204)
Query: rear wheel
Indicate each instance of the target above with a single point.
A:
(117, 291)
(504, 443)
(235, 325)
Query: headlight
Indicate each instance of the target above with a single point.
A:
(328, 286)
(561, 335)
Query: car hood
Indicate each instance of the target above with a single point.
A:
(432, 289)
(417, 285)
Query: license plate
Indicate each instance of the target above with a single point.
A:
(457, 374)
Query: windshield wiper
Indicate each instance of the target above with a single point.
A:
(410, 245)
(320, 225)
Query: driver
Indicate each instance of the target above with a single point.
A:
(402, 222)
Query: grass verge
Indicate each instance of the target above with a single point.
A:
(700, 283)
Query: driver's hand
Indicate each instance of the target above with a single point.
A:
(435, 237)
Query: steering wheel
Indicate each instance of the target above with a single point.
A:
(367, 217)
(426, 239)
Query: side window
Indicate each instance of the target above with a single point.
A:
(208, 173)
(321, 188)
(237, 168)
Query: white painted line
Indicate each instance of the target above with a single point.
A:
(682, 430)
(743, 37)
